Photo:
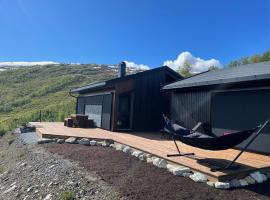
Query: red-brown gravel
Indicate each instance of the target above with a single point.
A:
(138, 180)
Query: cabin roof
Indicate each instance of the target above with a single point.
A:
(110, 82)
(250, 72)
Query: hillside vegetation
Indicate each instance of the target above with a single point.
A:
(265, 56)
(27, 90)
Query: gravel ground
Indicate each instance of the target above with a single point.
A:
(30, 172)
(138, 180)
(48, 171)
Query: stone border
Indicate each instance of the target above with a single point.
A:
(175, 169)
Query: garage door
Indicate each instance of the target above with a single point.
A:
(239, 110)
(94, 112)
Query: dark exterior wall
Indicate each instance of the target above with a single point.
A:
(240, 110)
(148, 102)
(227, 108)
(190, 107)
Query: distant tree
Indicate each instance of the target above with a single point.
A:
(185, 70)
(213, 68)
(251, 59)
(266, 56)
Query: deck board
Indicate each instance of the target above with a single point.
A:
(152, 143)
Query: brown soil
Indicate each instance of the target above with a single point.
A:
(138, 180)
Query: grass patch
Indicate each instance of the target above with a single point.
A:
(2, 156)
(2, 169)
(20, 156)
(68, 195)
(112, 196)
(10, 139)
(20, 102)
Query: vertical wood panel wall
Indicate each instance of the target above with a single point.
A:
(148, 102)
(190, 107)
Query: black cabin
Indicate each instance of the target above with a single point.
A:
(226, 100)
(130, 102)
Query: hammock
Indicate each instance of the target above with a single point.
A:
(214, 143)
(223, 142)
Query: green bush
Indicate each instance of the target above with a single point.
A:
(68, 195)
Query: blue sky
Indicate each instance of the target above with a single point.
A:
(143, 31)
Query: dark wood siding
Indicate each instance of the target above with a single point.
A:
(239, 110)
(148, 102)
(190, 107)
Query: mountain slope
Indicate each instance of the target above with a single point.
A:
(27, 90)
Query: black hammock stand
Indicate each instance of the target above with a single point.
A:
(202, 141)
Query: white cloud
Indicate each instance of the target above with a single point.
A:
(19, 64)
(137, 66)
(197, 64)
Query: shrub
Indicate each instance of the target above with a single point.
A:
(10, 140)
(2, 132)
(68, 195)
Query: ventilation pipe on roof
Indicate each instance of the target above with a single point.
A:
(122, 69)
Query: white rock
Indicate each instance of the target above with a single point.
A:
(13, 187)
(137, 153)
(170, 167)
(25, 197)
(156, 161)
(93, 142)
(186, 175)
(50, 184)
(17, 131)
(23, 164)
(84, 141)
(99, 143)
(119, 147)
(126, 149)
(147, 155)
(250, 180)
(222, 185)
(105, 144)
(210, 183)
(70, 183)
(259, 177)
(161, 163)
(142, 157)
(60, 141)
(198, 177)
(71, 140)
(177, 170)
(48, 197)
(30, 189)
(149, 160)
(52, 166)
(112, 145)
(243, 182)
(14, 183)
(45, 140)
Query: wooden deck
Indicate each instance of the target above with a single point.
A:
(152, 143)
